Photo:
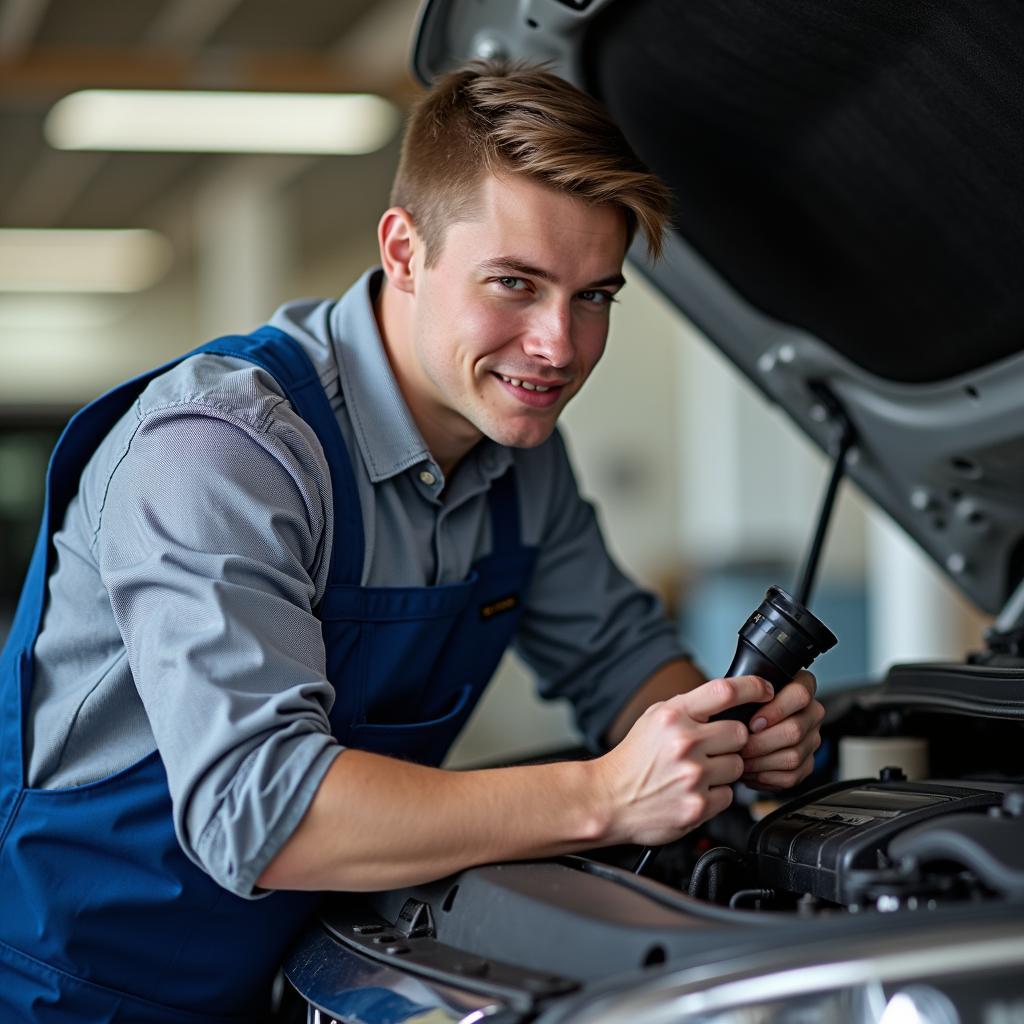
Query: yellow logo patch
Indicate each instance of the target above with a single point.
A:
(502, 604)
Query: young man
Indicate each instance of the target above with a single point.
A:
(276, 576)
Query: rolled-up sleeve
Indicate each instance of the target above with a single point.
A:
(210, 539)
(589, 633)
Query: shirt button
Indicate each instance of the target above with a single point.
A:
(428, 478)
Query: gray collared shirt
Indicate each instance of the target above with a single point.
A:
(180, 613)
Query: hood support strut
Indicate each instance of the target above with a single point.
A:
(843, 441)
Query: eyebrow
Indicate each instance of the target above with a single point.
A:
(517, 266)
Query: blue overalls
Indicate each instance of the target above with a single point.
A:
(102, 915)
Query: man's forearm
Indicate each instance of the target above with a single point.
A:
(377, 823)
(674, 677)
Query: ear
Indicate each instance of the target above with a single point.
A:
(399, 246)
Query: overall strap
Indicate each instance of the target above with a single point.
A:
(503, 500)
(283, 358)
(74, 448)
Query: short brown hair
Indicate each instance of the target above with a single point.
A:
(495, 116)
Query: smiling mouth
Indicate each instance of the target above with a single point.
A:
(527, 385)
(531, 393)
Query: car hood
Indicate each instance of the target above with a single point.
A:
(848, 222)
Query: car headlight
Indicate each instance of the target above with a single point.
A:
(867, 1004)
(970, 975)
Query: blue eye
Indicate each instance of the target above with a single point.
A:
(513, 284)
(598, 297)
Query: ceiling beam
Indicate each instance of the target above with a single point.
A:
(45, 74)
(184, 25)
(19, 22)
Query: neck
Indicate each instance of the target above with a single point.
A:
(447, 435)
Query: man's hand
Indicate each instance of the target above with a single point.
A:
(783, 737)
(674, 769)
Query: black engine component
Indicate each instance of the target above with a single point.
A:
(839, 843)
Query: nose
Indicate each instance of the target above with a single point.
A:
(549, 335)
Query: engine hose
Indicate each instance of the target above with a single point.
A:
(708, 860)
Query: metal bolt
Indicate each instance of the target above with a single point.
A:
(920, 498)
(956, 563)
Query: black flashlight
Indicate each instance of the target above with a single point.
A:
(780, 638)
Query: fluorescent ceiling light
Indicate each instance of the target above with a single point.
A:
(221, 122)
(40, 260)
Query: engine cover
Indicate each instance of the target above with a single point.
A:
(834, 842)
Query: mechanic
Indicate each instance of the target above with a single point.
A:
(274, 578)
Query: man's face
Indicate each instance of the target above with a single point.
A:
(513, 316)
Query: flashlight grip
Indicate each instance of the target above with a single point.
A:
(749, 661)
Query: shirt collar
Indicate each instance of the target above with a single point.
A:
(388, 439)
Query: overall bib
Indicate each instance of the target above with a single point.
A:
(102, 915)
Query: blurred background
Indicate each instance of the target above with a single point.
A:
(131, 232)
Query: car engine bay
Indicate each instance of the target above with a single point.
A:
(871, 867)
